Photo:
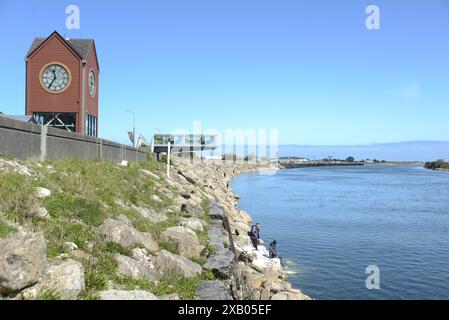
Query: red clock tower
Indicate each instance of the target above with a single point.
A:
(62, 77)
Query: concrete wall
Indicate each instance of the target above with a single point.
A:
(22, 140)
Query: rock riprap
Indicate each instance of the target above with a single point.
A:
(169, 263)
(213, 290)
(221, 264)
(121, 231)
(184, 240)
(136, 295)
(134, 269)
(22, 259)
(64, 279)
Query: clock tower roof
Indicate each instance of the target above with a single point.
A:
(82, 47)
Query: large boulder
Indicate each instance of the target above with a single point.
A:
(271, 276)
(240, 226)
(221, 264)
(192, 224)
(290, 295)
(188, 210)
(252, 278)
(168, 263)
(134, 269)
(215, 235)
(190, 176)
(245, 217)
(142, 256)
(215, 211)
(278, 286)
(242, 241)
(265, 294)
(9, 165)
(261, 262)
(22, 260)
(213, 290)
(150, 215)
(64, 279)
(120, 230)
(117, 295)
(185, 241)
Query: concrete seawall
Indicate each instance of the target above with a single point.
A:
(22, 140)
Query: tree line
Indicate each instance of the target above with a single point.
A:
(439, 164)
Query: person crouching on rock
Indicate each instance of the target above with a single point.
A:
(273, 252)
(254, 234)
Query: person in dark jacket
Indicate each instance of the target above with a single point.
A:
(254, 234)
(273, 252)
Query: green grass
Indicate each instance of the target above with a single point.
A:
(170, 247)
(84, 195)
(209, 250)
(159, 289)
(48, 295)
(144, 225)
(199, 260)
(185, 287)
(202, 236)
(205, 206)
(59, 231)
(5, 230)
(100, 268)
(113, 247)
(95, 281)
(15, 194)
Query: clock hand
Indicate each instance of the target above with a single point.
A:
(54, 78)
(51, 83)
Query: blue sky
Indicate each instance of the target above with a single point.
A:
(308, 68)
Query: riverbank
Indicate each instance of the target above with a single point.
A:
(98, 230)
(400, 163)
(255, 276)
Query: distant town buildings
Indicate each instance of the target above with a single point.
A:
(294, 160)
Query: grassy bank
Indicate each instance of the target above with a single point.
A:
(83, 195)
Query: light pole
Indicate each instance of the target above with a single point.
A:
(134, 126)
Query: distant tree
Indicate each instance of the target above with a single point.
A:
(439, 164)
(350, 159)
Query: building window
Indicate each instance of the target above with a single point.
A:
(59, 120)
(91, 126)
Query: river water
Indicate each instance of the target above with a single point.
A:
(332, 223)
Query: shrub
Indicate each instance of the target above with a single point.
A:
(439, 164)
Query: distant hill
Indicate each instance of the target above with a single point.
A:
(401, 151)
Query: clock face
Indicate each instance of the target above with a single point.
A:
(55, 78)
(92, 85)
